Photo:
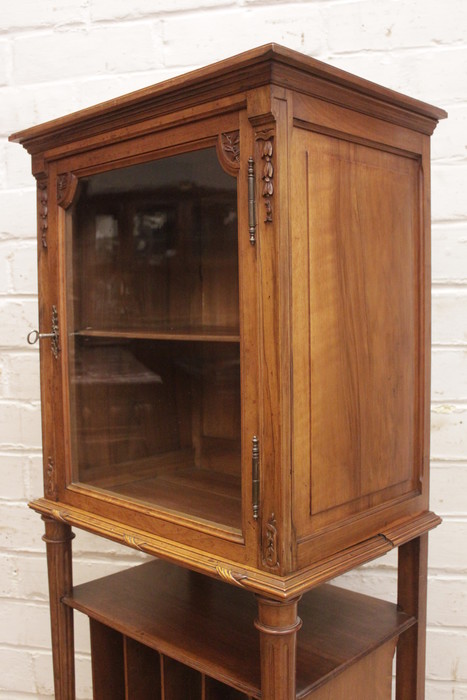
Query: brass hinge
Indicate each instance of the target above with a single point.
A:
(255, 476)
(251, 200)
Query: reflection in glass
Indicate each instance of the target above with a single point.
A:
(154, 336)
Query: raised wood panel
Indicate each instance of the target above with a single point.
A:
(179, 682)
(355, 213)
(368, 679)
(142, 671)
(108, 673)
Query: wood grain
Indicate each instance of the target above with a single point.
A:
(184, 615)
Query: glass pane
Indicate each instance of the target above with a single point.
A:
(154, 336)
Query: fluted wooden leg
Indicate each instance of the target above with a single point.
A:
(278, 625)
(58, 538)
(412, 589)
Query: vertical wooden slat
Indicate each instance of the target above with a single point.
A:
(180, 682)
(142, 671)
(108, 677)
(58, 538)
(412, 595)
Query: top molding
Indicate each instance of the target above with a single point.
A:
(270, 64)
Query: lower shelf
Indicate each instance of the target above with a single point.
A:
(200, 642)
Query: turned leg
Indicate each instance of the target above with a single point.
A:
(412, 587)
(58, 538)
(278, 625)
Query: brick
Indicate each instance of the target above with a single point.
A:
(5, 53)
(43, 677)
(449, 374)
(449, 252)
(25, 624)
(87, 569)
(381, 584)
(20, 424)
(17, 672)
(447, 601)
(24, 576)
(47, 13)
(5, 277)
(27, 106)
(436, 690)
(17, 167)
(23, 265)
(88, 544)
(8, 576)
(3, 158)
(121, 9)
(21, 529)
(19, 373)
(449, 321)
(449, 139)
(129, 47)
(428, 75)
(449, 182)
(448, 488)
(185, 36)
(446, 658)
(448, 432)
(17, 318)
(447, 546)
(382, 26)
(18, 214)
(13, 478)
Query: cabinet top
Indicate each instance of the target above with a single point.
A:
(269, 64)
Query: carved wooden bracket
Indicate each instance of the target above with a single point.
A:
(50, 485)
(42, 209)
(66, 189)
(228, 151)
(270, 553)
(267, 176)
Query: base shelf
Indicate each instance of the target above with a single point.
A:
(173, 482)
(208, 626)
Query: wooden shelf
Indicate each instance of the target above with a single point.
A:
(172, 481)
(219, 334)
(209, 626)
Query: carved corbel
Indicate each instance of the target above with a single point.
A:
(42, 209)
(228, 151)
(66, 189)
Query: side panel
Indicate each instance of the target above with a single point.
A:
(356, 223)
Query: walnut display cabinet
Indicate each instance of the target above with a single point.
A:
(235, 328)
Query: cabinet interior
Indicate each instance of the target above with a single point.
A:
(155, 347)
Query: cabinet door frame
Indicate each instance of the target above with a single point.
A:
(204, 536)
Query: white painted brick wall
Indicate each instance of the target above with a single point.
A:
(57, 56)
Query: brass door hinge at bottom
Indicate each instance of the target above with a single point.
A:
(255, 476)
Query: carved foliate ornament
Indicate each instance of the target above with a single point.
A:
(42, 210)
(228, 151)
(267, 175)
(50, 484)
(66, 189)
(270, 550)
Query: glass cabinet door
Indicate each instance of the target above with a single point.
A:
(153, 336)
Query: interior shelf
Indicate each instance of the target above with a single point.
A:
(172, 481)
(208, 627)
(219, 334)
